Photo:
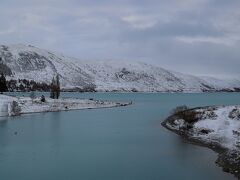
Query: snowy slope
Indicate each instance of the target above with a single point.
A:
(28, 62)
(214, 125)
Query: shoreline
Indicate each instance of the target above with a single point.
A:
(126, 91)
(14, 106)
(227, 159)
(80, 109)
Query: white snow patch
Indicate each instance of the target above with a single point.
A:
(221, 128)
(27, 105)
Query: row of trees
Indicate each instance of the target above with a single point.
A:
(25, 85)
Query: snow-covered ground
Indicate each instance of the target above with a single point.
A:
(27, 105)
(218, 125)
(215, 127)
(224, 129)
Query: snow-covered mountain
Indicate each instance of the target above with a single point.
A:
(28, 62)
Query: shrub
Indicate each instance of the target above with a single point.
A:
(189, 115)
(15, 108)
(179, 109)
(43, 99)
(234, 114)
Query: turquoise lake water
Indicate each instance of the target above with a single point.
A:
(126, 143)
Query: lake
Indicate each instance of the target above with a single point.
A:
(126, 143)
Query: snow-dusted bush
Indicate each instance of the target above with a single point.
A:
(188, 115)
(235, 114)
(179, 109)
(14, 109)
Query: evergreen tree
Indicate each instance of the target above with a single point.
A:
(52, 90)
(3, 84)
(55, 87)
(58, 86)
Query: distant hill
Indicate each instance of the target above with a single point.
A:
(31, 63)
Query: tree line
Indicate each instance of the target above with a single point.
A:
(30, 85)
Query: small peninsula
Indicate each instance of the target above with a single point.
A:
(216, 127)
(11, 106)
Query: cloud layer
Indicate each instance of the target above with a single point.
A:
(193, 36)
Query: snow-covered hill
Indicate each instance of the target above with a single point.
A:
(28, 62)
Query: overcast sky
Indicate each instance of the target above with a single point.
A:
(199, 37)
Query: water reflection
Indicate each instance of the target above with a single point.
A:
(3, 132)
(55, 130)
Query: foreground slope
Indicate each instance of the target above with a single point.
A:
(28, 62)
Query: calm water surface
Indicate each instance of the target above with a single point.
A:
(126, 143)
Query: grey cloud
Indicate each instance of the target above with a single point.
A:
(193, 36)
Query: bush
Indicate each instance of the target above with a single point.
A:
(15, 108)
(43, 99)
(189, 115)
(234, 114)
(179, 109)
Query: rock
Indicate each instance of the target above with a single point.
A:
(235, 114)
(205, 131)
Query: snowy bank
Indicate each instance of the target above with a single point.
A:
(8, 106)
(22, 105)
(215, 127)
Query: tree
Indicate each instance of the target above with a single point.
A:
(55, 87)
(58, 86)
(3, 84)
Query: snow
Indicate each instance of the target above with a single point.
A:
(41, 65)
(221, 129)
(179, 123)
(224, 83)
(28, 105)
(5, 98)
(216, 125)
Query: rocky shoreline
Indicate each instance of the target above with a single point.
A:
(228, 157)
